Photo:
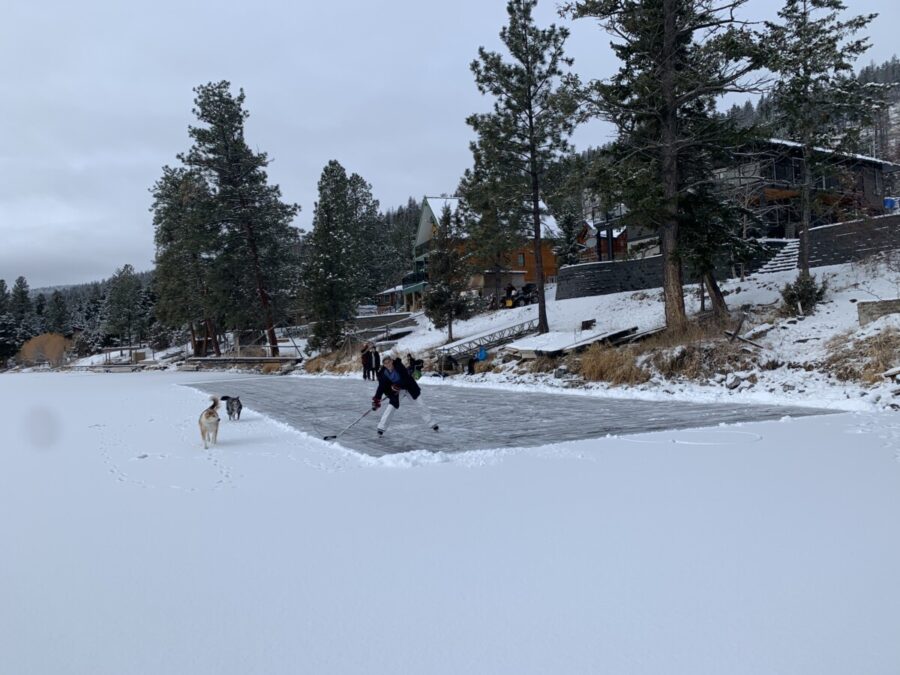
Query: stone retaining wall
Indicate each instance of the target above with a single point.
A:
(854, 240)
(870, 311)
(600, 278)
(829, 245)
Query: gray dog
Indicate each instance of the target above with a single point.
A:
(233, 407)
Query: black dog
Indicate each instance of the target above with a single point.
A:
(233, 407)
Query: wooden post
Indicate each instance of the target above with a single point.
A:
(737, 331)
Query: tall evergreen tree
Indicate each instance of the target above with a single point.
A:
(401, 225)
(20, 305)
(9, 338)
(493, 219)
(331, 273)
(189, 243)
(533, 115)
(677, 57)
(8, 327)
(21, 309)
(4, 297)
(259, 242)
(819, 101)
(370, 255)
(57, 314)
(448, 275)
(125, 314)
(568, 250)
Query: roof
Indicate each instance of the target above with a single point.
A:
(395, 289)
(851, 155)
(435, 207)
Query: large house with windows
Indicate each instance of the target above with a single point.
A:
(846, 186)
(522, 268)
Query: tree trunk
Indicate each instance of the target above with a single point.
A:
(211, 331)
(260, 286)
(543, 326)
(805, 213)
(450, 328)
(194, 346)
(673, 289)
(720, 308)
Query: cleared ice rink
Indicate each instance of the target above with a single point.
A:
(473, 418)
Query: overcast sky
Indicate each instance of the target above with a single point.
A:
(97, 98)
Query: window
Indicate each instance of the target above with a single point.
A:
(521, 260)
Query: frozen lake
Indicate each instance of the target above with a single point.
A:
(473, 418)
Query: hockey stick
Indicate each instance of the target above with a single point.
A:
(340, 433)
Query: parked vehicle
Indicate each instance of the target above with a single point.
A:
(527, 295)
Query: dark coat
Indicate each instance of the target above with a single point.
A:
(376, 359)
(367, 360)
(407, 383)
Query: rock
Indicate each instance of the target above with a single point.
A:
(733, 381)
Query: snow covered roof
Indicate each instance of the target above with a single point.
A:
(862, 158)
(395, 289)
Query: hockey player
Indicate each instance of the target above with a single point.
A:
(393, 380)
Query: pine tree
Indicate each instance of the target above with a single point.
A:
(40, 306)
(819, 102)
(9, 340)
(57, 315)
(370, 255)
(493, 220)
(21, 309)
(533, 115)
(4, 297)
(448, 275)
(677, 57)
(258, 257)
(331, 275)
(401, 226)
(8, 327)
(123, 305)
(20, 305)
(712, 233)
(189, 242)
(568, 251)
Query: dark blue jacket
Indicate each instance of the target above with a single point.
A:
(407, 383)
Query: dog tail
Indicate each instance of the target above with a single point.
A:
(224, 398)
(215, 403)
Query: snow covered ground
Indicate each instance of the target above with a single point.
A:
(799, 346)
(760, 548)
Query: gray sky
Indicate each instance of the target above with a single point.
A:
(97, 98)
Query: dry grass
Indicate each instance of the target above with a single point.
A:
(698, 352)
(254, 352)
(47, 348)
(616, 365)
(334, 362)
(487, 366)
(863, 360)
(542, 364)
(271, 368)
(695, 333)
